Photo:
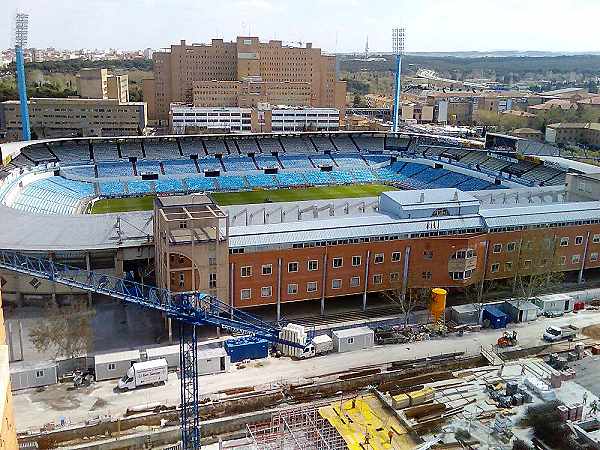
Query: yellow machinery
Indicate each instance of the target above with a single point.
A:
(438, 304)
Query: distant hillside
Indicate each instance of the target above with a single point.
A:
(482, 66)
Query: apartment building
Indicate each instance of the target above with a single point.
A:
(98, 84)
(264, 118)
(202, 74)
(574, 133)
(69, 117)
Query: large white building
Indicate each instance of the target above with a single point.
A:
(186, 119)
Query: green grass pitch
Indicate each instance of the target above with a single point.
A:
(256, 196)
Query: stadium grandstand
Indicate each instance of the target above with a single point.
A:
(289, 198)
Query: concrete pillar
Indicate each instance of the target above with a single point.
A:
(585, 252)
(366, 283)
(324, 284)
(278, 289)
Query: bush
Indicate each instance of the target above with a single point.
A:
(518, 444)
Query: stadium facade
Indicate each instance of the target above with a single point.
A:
(459, 214)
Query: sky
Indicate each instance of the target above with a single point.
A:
(333, 25)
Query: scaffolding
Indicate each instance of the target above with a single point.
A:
(295, 429)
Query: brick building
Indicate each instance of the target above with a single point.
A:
(242, 73)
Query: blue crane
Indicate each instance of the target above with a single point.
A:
(189, 309)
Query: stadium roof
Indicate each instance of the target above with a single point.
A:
(37, 232)
(541, 214)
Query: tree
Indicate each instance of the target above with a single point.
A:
(535, 269)
(408, 302)
(66, 330)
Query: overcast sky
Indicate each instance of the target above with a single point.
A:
(334, 25)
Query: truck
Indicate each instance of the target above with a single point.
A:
(554, 334)
(306, 347)
(144, 373)
(319, 345)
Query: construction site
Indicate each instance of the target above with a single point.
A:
(474, 393)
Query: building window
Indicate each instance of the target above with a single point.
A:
(313, 265)
(508, 266)
(578, 240)
(212, 280)
(426, 275)
(396, 256)
(292, 267)
(356, 260)
(378, 258)
(594, 256)
(527, 263)
(428, 254)
(350, 340)
(377, 279)
(40, 373)
(563, 260)
(267, 269)
(246, 294)
(596, 239)
(311, 286)
(246, 271)
(111, 366)
(511, 246)
(338, 262)
(292, 288)
(497, 248)
(575, 259)
(564, 241)
(266, 291)
(181, 279)
(495, 267)
(336, 284)
(394, 276)
(354, 281)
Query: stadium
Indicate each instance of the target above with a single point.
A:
(268, 219)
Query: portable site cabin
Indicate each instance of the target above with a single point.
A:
(114, 365)
(353, 339)
(465, 314)
(495, 317)
(520, 310)
(555, 304)
(213, 360)
(25, 376)
(169, 352)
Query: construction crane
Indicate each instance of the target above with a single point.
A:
(189, 309)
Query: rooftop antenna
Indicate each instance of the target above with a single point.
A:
(398, 49)
(21, 34)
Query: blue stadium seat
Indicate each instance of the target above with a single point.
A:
(261, 181)
(209, 163)
(139, 187)
(377, 159)
(81, 171)
(238, 163)
(341, 177)
(164, 185)
(115, 169)
(290, 179)
(266, 161)
(200, 184)
(349, 160)
(112, 188)
(176, 166)
(231, 183)
(147, 166)
(317, 177)
(296, 162)
(53, 195)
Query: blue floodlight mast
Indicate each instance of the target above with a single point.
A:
(190, 309)
(21, 31)
(398, 48)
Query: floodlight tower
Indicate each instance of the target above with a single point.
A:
(398, 49)
(21, 32)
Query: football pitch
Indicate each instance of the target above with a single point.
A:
(245, 197)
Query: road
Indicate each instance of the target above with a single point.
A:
(33, 409)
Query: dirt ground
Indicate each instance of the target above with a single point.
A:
(592, 331)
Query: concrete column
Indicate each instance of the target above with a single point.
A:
(278, 289)
(585, 252)
(405, 271)
(88, 267)
(366, 284)
(324, 284)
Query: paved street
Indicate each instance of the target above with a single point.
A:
(33, 409)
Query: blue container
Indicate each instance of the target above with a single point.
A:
(247, 347)
(496, 317)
